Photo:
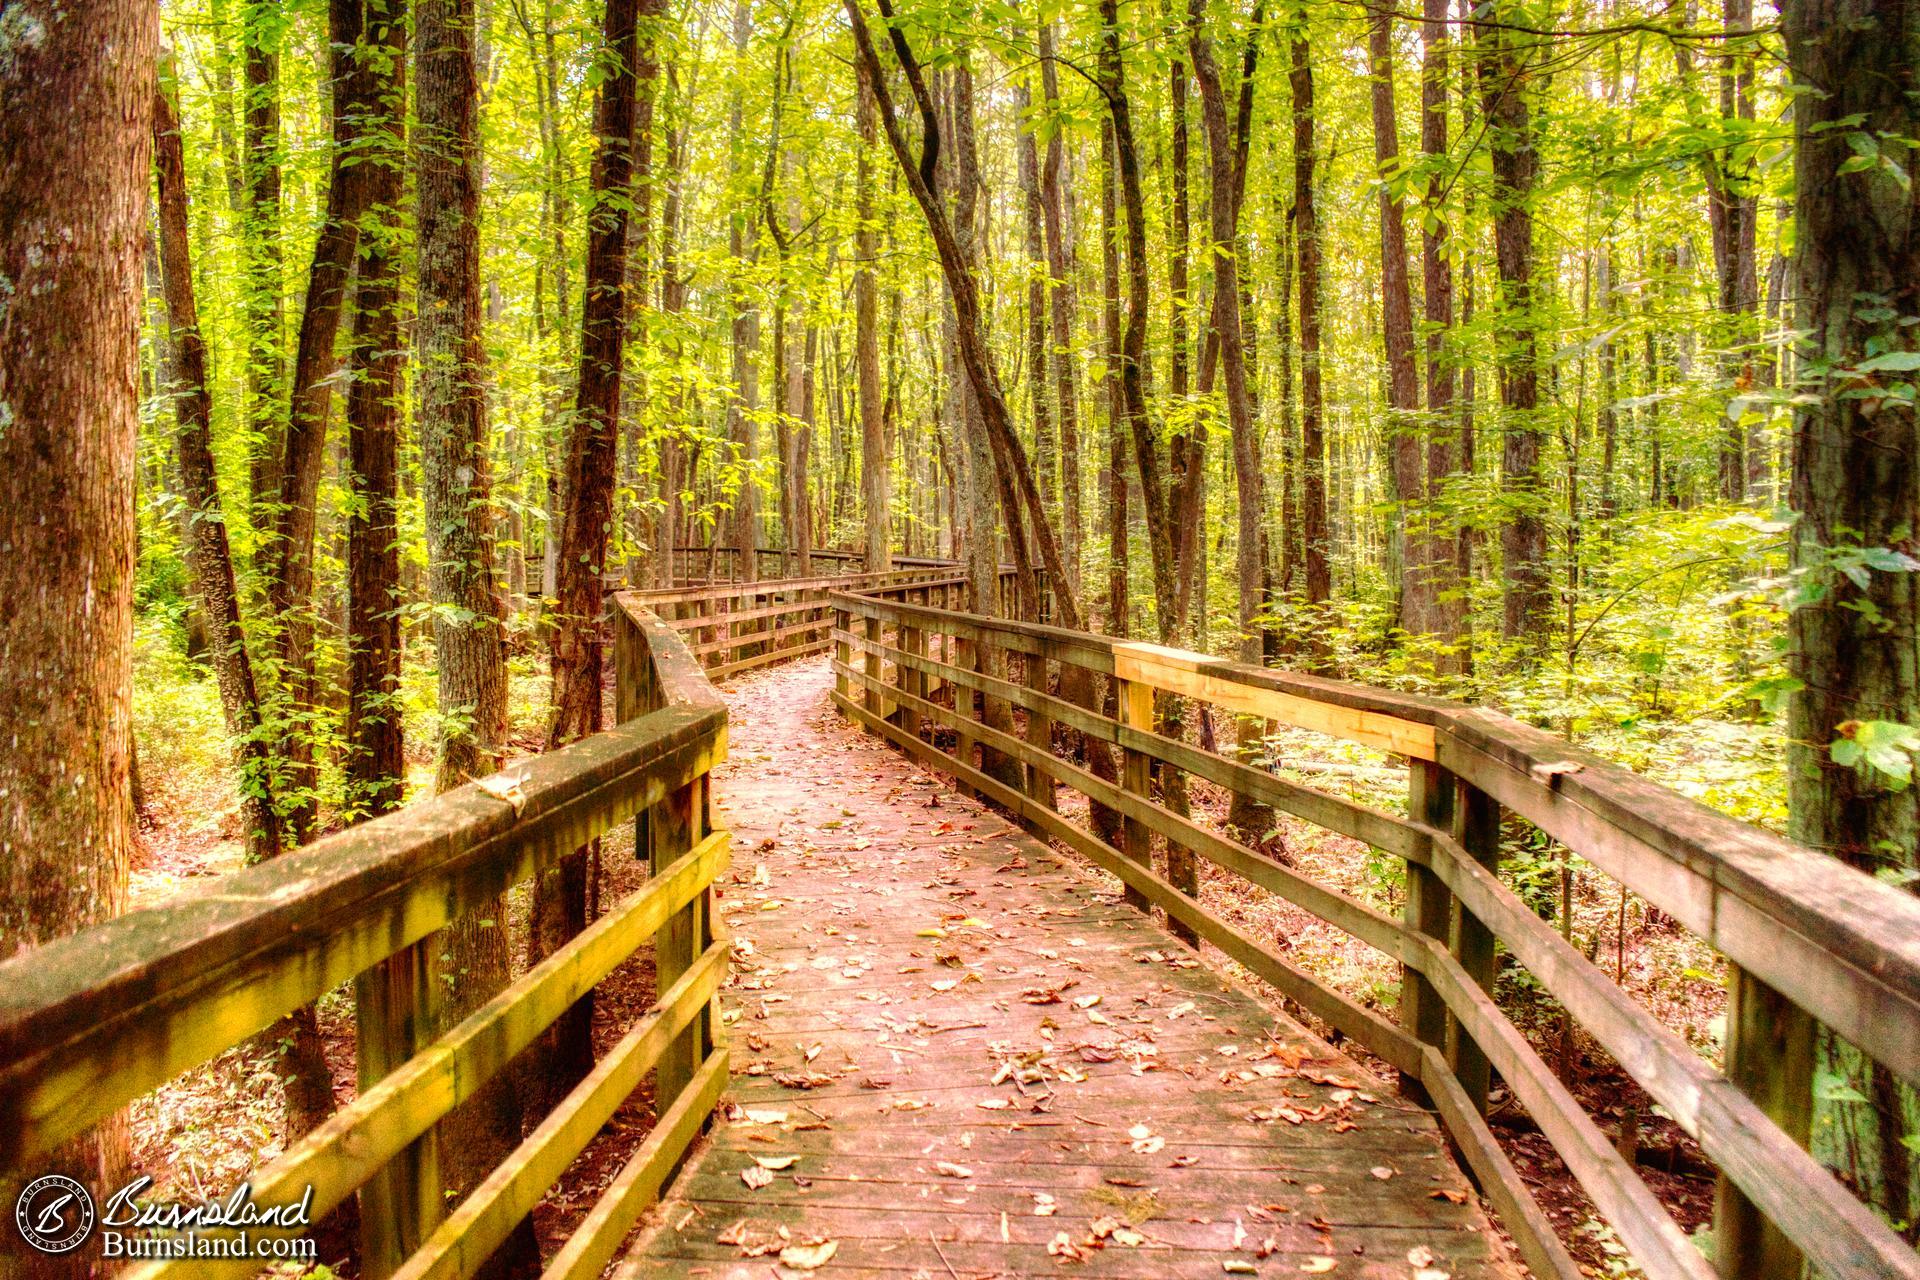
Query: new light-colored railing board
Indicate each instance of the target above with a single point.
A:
(94, 1020)
(1857, 936)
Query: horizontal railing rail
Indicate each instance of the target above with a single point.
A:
(735, 627)
(1838, 943)
(97, 1019)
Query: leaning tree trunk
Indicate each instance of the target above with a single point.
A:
(357, 29)
(473, 958)
(75, 108)
(1313, 462)
(1856, 484)
(560, 898)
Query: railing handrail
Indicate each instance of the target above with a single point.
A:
(1702, 867)
(1564, 789)
(94, 1020)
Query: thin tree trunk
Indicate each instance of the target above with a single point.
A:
(873, 440)
(260, 225)
(742, 429)
(473, 957)
(1313, 466)
(1444, 569)
(209, 556)
(1396, 326)
(1523, 536)
(357, 31)
(578, 646)
(1061, 301)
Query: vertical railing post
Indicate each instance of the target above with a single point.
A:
(1135, 704)
(671, 829)
(913, 682)
(872, 664)
(1476, 827)
(1770, 1050)
(402, 1203)
(1429, 911)
(842, 651)
(1040, 783)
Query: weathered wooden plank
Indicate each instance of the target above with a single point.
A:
(471, 1233)
(1790, 1186)
(93, 1020)
(637, 1186)
(359, 1139)
(1834, 940)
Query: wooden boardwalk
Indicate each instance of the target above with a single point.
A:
(955, 1056)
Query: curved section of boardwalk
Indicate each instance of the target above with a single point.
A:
(956, 1056)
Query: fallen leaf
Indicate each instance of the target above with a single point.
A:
(809, 1257)
(775, 1163)
(950, 1170)
(755, 1177)
(1318, 1266)
(1381, 1172)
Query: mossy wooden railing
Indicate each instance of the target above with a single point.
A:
(1798, 927)
(95, 1020)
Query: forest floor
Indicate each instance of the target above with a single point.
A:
(202, 1133)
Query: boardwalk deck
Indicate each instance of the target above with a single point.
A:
(956, 1056)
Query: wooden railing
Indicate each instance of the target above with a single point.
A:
(735, 627)
(1797, 926)
(99, 1018)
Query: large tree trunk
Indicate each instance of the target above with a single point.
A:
(1856, 484)
(74, 139)
(560, 898)
(873, 441)
(1523, 537)
(473, 958)
(209, 556)
(1396, 326)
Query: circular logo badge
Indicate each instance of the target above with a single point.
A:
(54, 1214)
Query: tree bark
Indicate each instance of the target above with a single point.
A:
(209, 556)
(1306, 230)
(375, 766)
(473, 957)
(357, 29)
(260, 222)
(74, 154)
(1396, 326)
(874, 479)
(743, 431)
(578, 646)
(1445, 567)
(1133, 347)
(1504, 75)
(1856, 479)
(1060, 296)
